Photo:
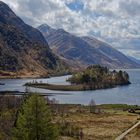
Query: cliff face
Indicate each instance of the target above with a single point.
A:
(22, 47)
(84, 51)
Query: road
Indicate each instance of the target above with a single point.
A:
(127, 131)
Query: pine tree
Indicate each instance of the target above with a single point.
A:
(34, 121)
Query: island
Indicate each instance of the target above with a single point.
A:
(92, 78)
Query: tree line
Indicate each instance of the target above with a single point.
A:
(96, 77)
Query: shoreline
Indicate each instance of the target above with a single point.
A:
(49, 75)
(32, 76)
(108, 105)
(80, 87)
(23, 77)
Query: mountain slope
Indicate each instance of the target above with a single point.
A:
(84, 51)
(134, 59)
(23, 48)
(8, 17)
(119, 59)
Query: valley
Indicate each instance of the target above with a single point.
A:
(69, 70)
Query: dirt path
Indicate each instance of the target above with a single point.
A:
(127, 131)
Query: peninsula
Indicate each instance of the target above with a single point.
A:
(92, 78)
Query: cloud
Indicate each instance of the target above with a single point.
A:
(130, 8)
(115, 21)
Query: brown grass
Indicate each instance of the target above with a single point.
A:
(22, 74)
(103, 126)
(57, 87)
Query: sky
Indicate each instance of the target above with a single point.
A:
(114, 21)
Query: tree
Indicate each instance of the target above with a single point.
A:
(125, 76)
(85, 78)
(92, 106)
(120, 74)
(34, 121)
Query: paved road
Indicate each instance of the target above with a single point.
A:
(127, 131)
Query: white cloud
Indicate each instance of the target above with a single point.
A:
(116, 21)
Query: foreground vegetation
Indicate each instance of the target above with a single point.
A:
(34, 117)
(26, 118)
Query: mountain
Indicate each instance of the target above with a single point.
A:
(84, 51)
(134, 59)
(23, 49)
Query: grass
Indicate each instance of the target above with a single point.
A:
(78, 87)
(111, 121)
(106, 125)
(57, 87)
(119, 106)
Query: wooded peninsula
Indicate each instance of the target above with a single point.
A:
(92, 78)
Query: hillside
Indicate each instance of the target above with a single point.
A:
(23, 49)
(134, 59)
(84, 51)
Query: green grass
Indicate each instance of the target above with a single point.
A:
(76, 87)
(119, 106)
(57, 87)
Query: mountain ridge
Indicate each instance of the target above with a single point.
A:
(23, 49)
(134, 59)
(85, 50)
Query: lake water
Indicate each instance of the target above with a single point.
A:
(122, 94)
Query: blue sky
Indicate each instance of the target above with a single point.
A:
(75, 5)
(114, 21)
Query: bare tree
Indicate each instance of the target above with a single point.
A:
(92, 106)
(27, 89)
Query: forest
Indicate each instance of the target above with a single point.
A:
(98, 77)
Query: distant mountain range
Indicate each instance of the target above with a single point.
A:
(23, 48)
(83, 51)
(25, 51)
(134, 59)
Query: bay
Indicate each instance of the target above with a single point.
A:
(129, 94)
